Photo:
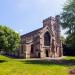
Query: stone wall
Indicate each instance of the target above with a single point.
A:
(36, 38)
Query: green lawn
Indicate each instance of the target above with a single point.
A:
(9, 66)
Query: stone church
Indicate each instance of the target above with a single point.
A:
(43, 42)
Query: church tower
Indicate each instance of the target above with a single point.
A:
(54, 25)
(57, 36)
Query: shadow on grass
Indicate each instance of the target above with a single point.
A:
(51, 62)
(2, 61)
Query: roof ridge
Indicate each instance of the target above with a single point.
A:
(32, 32)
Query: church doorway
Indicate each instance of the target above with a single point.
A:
(39, 55)
(32, 51)
(47, 53)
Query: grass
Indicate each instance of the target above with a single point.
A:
(9, 66)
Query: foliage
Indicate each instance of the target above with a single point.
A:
(68, 16)
(70, 41)
(68, 22)
(9, 39)
(62, 39)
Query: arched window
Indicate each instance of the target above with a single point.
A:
(47, 38)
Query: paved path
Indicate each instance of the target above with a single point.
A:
(47, 58)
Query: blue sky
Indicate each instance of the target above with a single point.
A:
(27, 15)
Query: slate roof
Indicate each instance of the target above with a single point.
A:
(31, 33)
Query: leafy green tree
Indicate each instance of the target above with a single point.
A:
(70, 41)
(68, 22)
(68, 16)
(9, 39)
(62, 39)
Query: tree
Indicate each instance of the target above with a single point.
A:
(9, 39)
(68, 17)
(68, 22)
(62, 39)
(70, 41)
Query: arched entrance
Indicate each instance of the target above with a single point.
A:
(32, 51)
(47, 53)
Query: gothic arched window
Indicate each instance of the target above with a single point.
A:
(47, 38)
